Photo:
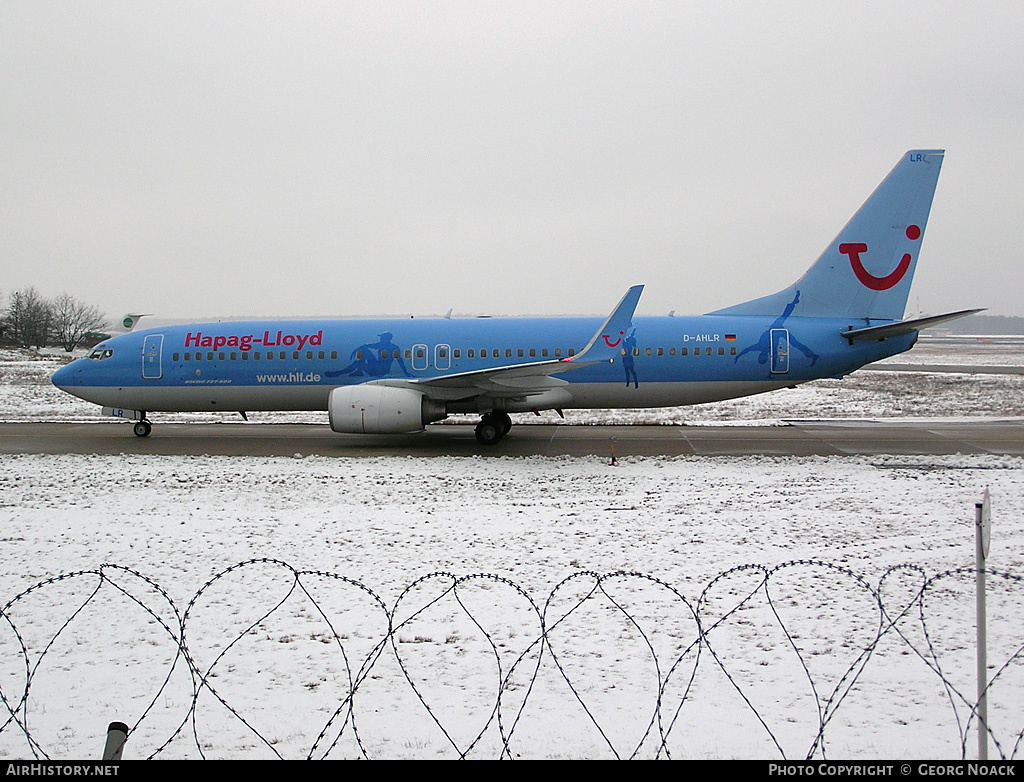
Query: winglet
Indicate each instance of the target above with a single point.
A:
(607, 342)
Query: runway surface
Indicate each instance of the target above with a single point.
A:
(794, 438)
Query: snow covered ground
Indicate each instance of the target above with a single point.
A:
(515, 607)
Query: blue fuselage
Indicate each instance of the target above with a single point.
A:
(293, 365)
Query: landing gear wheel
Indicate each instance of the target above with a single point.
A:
(142, 428)
(504, 420)
(489, 431)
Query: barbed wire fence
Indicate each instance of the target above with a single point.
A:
(267, 660)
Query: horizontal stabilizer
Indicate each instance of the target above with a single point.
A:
(902, 327)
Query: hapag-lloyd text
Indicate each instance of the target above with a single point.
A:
(245, 342)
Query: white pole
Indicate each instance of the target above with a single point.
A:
(980, 513)
(117, 735)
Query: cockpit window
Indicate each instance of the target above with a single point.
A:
(99, 354)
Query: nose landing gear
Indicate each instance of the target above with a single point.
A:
(143, 427)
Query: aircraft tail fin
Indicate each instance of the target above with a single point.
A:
(866, 271)
(129, 321)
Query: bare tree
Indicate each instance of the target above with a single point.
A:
(29, 319)
(73, 320)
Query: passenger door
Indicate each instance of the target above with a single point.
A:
(780, 351)
(152, 353)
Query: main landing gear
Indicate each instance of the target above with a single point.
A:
(492, 427)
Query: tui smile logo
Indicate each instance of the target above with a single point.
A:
(853, 251)
(608, 341)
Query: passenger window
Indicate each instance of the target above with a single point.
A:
(234, 357)
(572, 351)
(684, 351)
(558, 352)
(456, 353)
(471, 353)
(496, 353)
(636, 351)
(647, 351)
(671, 351)
(533, 352)
(661, 352)
(174, 357)
(707, 351)
(359, 355)
(283, 355)
(520, 353)
(245, 357)
(508, 352)
(543, 352)
(732, 351)
(721, 351)
(309, 355)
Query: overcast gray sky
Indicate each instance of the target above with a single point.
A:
(196, 159)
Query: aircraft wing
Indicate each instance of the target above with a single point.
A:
(535, 377)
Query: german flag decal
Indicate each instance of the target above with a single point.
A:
(730, 337)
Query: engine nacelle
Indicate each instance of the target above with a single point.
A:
(374, 409)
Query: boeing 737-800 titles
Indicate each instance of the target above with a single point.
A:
(398, 375)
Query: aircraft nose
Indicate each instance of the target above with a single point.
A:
(63, 377)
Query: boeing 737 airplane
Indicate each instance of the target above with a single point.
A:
(390, 376)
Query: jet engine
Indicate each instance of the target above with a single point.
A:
(375, 409)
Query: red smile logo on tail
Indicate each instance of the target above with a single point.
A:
(854, 249)
(608, 341)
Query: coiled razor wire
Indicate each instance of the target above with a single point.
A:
(512, 676)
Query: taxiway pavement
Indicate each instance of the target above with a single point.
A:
(793, 438)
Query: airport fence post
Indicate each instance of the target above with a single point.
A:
(117, 735)
(982, 538)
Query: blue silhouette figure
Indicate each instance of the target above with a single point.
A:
(763, 346)
(375, 359)
(627, 358)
